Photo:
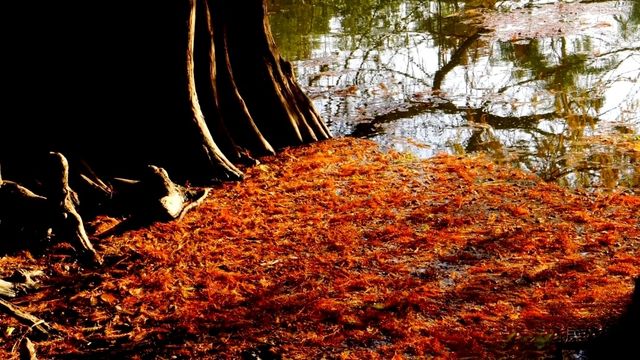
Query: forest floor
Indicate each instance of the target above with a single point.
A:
(339, 250)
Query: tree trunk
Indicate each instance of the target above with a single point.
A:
(193, 86)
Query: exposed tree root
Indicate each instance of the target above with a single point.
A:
(7, 289)
(37, 324)
(27, 350)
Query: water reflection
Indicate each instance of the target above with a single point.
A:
(549, 86)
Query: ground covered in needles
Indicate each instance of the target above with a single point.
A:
(340, 250)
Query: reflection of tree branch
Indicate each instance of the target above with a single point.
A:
(545, 73)
(542, 132)
(376, 43)
(416, 108)
(410, 61)
(513, 122)
(618, 51)
(507, 87)
(364, 35)
(526, 122)
(418, 80)
(456, 57)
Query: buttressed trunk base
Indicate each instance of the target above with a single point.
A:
(193, 86)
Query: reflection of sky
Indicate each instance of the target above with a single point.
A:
(622, 95)
(431, 133)
(585, 74)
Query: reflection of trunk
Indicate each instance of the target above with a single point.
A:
(456, 57)
(189, 85)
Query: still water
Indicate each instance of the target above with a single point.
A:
(552, 87)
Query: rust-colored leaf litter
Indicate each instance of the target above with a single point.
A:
(339, 250)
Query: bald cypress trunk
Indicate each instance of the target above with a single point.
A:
(194, 86)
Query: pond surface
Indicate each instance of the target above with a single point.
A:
(552, 87)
